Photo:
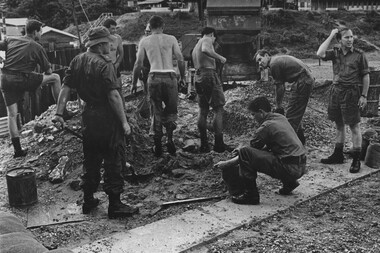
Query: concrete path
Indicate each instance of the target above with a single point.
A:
(194, 228)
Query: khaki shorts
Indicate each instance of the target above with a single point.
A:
(209, 88)
(14, 84)
(343, 105)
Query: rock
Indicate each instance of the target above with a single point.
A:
(178, 173)
(38, 127)
(50, 138)
(26, 133)
(181, 196)
(319, 213)
(75, 185)
(59, 172)
(191, 145)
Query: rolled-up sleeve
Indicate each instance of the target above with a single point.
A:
(108, 73)
(364, 68)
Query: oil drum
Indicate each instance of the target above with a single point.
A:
(22, 188)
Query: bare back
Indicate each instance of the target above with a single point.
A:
(160, 49)
(200, 59)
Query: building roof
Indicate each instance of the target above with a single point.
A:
(47, 29)
(147, 2)
(233, 4)
(14, 21)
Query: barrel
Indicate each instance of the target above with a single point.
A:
(22, 188)
(372, 108)
(372, 158)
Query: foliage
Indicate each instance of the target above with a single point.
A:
(59, 13)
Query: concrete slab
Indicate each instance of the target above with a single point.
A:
(193, 228)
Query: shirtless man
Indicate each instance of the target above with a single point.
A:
(116, 47)
(160, 48)
(209, 89)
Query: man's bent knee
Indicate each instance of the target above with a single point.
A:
(355, 128)
(52, 78)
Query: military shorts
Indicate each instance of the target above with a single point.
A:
(14, 84)
(343, 105)
(209, 88)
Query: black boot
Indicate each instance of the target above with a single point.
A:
(117, 209)
(17, 147)
(288, 187)
(170, 127)
(250, 196)
(355, 165)
(157, 149)
(89, 203)
(219, 145)
(205, 148)
(336, 158)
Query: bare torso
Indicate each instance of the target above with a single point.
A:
(200, 59)
(114, 44)
(160, 49)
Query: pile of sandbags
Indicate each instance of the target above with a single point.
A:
(15, 238)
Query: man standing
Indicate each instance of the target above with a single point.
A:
(105, 125)
(350, 69)
(286, 68)
(23, 54)
(286, 161)
(116, 47)
(209, 89)
(159, 48)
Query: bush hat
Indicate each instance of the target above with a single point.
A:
(98, 35)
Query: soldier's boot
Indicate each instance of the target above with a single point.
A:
(17, 147)
(89, 202)
(170, 127)
(336, 158)
(157, 148)
(219, 145)
(288, 187)
(116, 209)
(250, 196)
(205, 148)
(355, 165)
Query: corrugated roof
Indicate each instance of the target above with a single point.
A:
(150, 2)
(233, 4)
(14, 21)
(47, 29)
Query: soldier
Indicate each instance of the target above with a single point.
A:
(209, 89)
(159, 48)
(286, 68)
(17, 75)
(116, 47)
(286, 159)
(105, 125)
(350, 69)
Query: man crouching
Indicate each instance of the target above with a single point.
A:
(285, 160)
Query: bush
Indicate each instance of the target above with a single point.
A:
(363, 45)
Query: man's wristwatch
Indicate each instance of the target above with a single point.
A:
(364, 96)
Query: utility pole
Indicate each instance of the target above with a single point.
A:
(3, 26)
(76, 24)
